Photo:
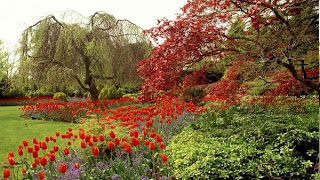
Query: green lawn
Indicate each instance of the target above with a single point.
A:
(13, 130)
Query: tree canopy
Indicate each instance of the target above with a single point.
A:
(275, 42)
(85, 54)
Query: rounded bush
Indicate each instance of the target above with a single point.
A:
(60, 96)
(110, 93)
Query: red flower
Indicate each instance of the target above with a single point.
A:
(134, 133)
(158, 138)
(90, 143)
(62, 168)
(110, 145)
(11, 161)
(94, 138)
(56, 148)
(57, 133)
(35, 154)
(20, 152)
(10, 154)
(43, 145)
(112, 135)
(152, 146)
(43, 160)
(126, 146)
(83, 144)
(76, 166)
(41, 175)
(25, 143)
(164, 157)
(161, 145)
(47, 139)
(134, 141)
(146, 142)
(101, 137)
(69, 129)
(66, 151)
(69, 143)
(52, 157)
(88, 137)
(152, 134)
(117, 141)
(30, 149)
(34, 140)
(36, 147)
(6, 173)
(95, 151)
(24, 171)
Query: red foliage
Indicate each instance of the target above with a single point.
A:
(200, 31)
(288, 85)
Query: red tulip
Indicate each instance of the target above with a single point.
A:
(30, 149)
(94, 138)
(158, 138)
(10, 154)
(69, 129)
(56, 148)
(35, 154)
(52, 157)
(34, 140)
(62, 167)
(110, 145)
(152, 134)
(66, 151)
(117, 141)
(161, 145)
(83, 144)
(25, 143)
(11, 161)
(24, 171)
(47, 139)
(152, 146)
(57, 133)
(69, 143)
(43, 160)
(101, 137)
(76, 166)
(6, 173)
(20, 152)
(36, 147)
(43, 145)
(95, 151)
(41, 175)
(134, 141)
(112, 135)
(164, 157)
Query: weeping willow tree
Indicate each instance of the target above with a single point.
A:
(85, 54)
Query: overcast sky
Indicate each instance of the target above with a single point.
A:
(17, 15)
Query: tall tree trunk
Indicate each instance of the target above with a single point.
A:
(93, 90)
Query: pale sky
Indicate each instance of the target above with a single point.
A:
(17, 15)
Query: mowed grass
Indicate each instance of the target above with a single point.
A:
(13, 131)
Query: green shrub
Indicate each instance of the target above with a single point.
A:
(110, 93)
(131, 87)
(60, 95)
(238, 145)
(40, 92)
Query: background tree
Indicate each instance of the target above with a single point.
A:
(269, 35)
(83, 54)
(4, 67)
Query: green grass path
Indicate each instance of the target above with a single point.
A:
(13, 131)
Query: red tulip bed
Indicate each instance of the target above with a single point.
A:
(112, 143)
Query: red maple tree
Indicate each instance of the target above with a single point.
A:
(273, 34)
